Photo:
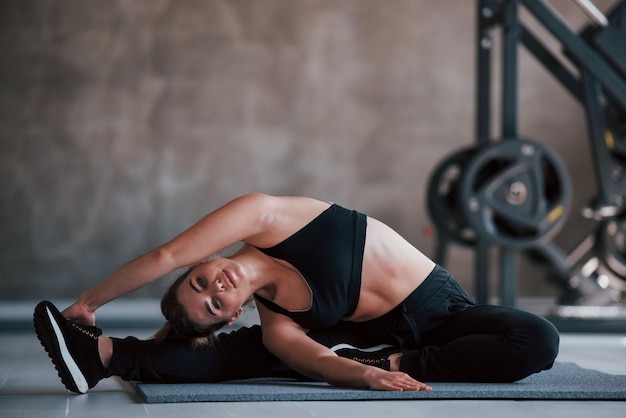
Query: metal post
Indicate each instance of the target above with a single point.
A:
(484, 45)
(510, 36)
(592, 94)
(481, 268)
(508, 279)
(484, 16)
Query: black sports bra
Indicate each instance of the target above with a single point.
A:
(328, 253)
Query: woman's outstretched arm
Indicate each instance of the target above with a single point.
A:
(239, 220)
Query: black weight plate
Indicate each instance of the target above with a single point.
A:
(515, 193)
(443, 198)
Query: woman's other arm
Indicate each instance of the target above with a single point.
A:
(289, 342)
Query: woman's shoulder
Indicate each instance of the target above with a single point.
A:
(279, 207)
(283, 215)
(258, 198)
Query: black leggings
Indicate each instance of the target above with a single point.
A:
(443, 334)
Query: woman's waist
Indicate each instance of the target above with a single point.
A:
(379, 297)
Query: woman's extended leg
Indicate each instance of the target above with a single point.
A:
(76, 352)
(235, 355)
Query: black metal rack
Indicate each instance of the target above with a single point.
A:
(600, 81)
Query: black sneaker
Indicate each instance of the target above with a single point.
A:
(73, 348)
(377, 356)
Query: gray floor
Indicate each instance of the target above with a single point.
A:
(29, 387)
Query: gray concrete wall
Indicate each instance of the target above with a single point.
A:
(123, 122)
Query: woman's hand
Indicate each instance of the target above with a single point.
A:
(379, 379)
(80, 314)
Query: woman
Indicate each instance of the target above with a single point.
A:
(313, 265)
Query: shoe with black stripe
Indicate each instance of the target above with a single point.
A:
(73, 348)
(377, 356)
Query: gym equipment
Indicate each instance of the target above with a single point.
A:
(611, 251)
(500, 195)
(515, 193)
(588, 281)
(444, 202)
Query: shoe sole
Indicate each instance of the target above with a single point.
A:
(52, 340)
(365, 350)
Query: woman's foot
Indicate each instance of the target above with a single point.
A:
(73, 348)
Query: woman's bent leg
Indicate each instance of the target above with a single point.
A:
(235, 355)
(484, 344)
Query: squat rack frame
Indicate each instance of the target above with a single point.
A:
(595, 77)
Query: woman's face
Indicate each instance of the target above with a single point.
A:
(214, 292)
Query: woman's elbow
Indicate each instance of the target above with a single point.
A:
(164, 256)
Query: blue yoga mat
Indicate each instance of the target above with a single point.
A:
(563, 381)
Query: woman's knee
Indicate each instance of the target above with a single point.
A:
(548, 340)
(539, 340)
(533, 347)
(533, 342)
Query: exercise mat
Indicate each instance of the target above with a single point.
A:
(563, 381)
